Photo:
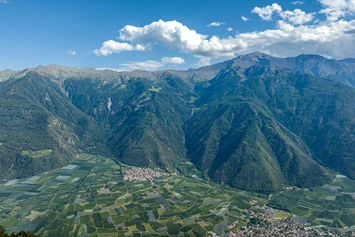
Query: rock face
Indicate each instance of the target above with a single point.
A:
(255, 122)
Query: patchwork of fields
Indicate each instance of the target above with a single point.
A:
(90, 198)
(332, 205)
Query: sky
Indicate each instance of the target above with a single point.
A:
(161, 34)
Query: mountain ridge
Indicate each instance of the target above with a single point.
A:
(248, 122)
(207, 72)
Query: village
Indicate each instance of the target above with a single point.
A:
(280, 228)
(263, 225)
(141, 174)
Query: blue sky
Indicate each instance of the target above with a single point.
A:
(128, 35)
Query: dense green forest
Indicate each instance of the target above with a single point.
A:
(255, 122)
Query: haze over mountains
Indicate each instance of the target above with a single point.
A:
(255, 122)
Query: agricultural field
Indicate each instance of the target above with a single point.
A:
(331, 206)
(89, 197)
(37, 154)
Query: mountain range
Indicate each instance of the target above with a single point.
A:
(255, 122)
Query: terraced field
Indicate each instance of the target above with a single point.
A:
(332, 205)
(90, 198)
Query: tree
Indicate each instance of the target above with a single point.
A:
(2, 232)
(19, 234)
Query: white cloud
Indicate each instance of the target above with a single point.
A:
(111, 46)
(266, 13)
(203, 61)
(245, 18)
(3, 1)
(296, 17)
(173, 60)
(298, 3)
(230, 29)
(216, 24)
(174, 35)
(335, 9)
(145, 65)
(290, 37)
(71, 52)
(149, 65)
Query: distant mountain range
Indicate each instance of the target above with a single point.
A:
(255, 122)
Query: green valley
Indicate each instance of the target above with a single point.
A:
(203, 149)
(156, 118)
(255, 122)
(90, 198)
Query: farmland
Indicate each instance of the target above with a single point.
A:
(90, 197)
(95, 196)
(332, 205)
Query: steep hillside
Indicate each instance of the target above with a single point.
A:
(255, 122)
(275, 124)
(41, 129)
(146, 117)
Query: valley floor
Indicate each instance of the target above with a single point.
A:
(90, 197)
(95, 196)
(331, 206)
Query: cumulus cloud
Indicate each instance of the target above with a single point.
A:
(173, 60)
(291, 36)
(149, 65)
(296, 16)
(174, 35)
(335, 9)
(216, 24)
(245, 18)
(111, 46)
(230, 29)
(71, 52)
(266, 13)
(145, 65)
(298, 3)
(203, 61)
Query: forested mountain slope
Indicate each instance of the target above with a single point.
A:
(255, 122)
